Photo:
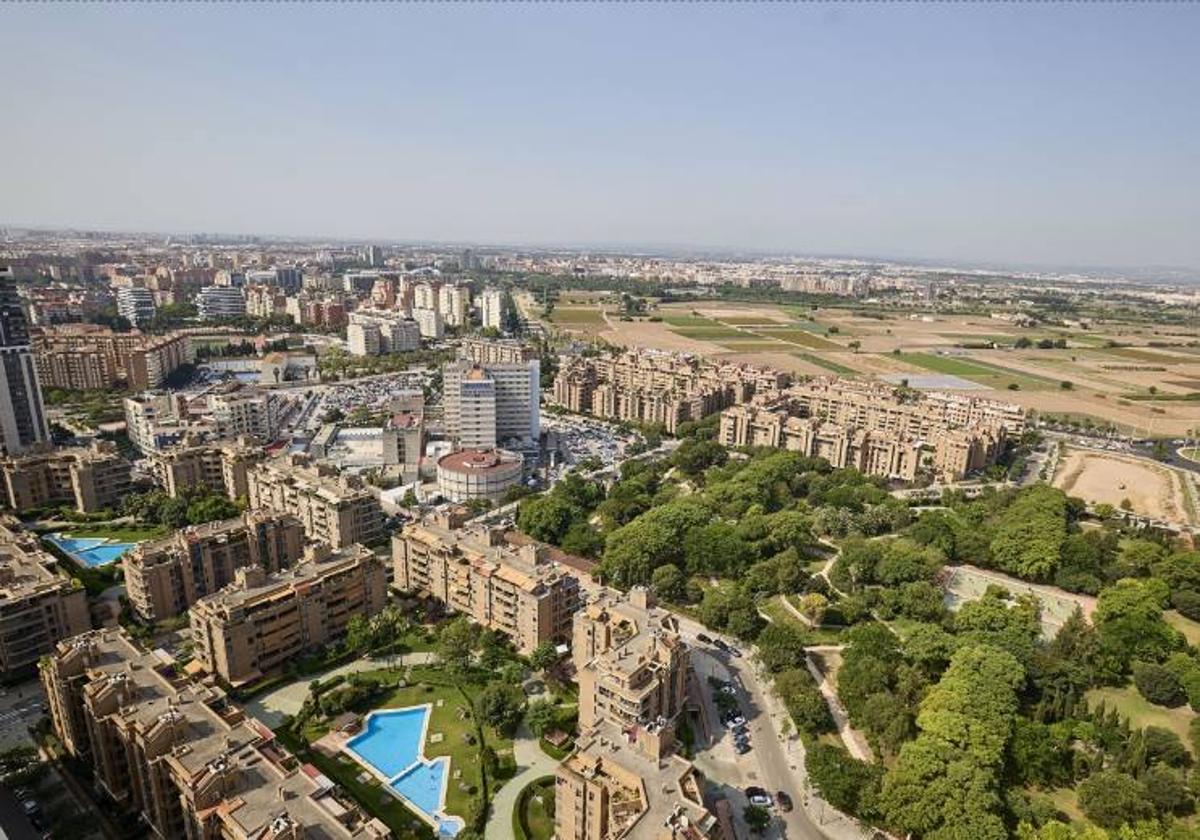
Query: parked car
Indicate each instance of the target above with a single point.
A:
(762, 800)
(720, 644)
(700, 637)
(785, 801)
(735, 721)
(742, 747)
(728, 689)
(30, 807)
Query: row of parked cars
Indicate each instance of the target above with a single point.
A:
(32, 809)
(760, 797)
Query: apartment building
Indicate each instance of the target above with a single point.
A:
(429, 322)
(615, 786)
(265, 301)
(216, 302)
(630, 662)
(653, 387)
(501, 351)
(337, 510)
(39, 603)
(164, 577)
(489, 405)
(222, 467)
(181, 755)
(516, 590)
(239, 410)
(22, 415)
(373, 332)
(89, 478)
(454, 304)
(136, 304)
(157, 421)
(83, 356)
(491, 308)
(891, 433)
(258, 623)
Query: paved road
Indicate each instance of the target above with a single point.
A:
(273, 706)
(776, 760)
(532, 764)
(20, 705)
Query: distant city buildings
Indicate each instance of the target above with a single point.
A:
(878, 430)
(491, 308)
(136, 305)
(653, 387)
(373, 332)
(87, 356)
(216, 302)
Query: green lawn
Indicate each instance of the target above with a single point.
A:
(828, 364)
(748, 321)
(799, 336)
(576, 315)
(533, 817)
(1142, 713)
(1190, 629)
(120, 533)
(751, 346)
(984, 373)
(1140, 355)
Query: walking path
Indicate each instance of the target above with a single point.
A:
(272, 707)
(532, 764)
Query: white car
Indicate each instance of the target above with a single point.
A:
(762, 800)
(735, 722)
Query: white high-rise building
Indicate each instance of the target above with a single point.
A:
(135, 304)
(425, 296)
(220, 302)
(430, 321)
(454, 301)
(491, 308)
(491, 405)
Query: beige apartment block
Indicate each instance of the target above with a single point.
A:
(630, 662)
(181, 755)
(618, 787)
(39, 604)
(516, 590)
(165, 577)
(221, 467)
(497, 351)
(91, 479)
(336, 510)
(261, 621)
(649, 386)
(83, 356)
(880, 431)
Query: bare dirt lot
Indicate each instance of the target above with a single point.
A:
(1109, 478)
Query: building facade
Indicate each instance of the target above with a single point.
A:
(516, 590)
(165, 577)
(90, 479)
(254, 626)
(490, 405)
(83, 356)
(337, 510)
(22, 414)
(221, 467)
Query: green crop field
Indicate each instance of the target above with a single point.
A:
(710, 333)
(984, 373)
(747, 320)
(828, 364)
(689, 321)
(802, 337)
(752, 346)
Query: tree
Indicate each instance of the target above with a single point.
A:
(668, 582)
(456, 644)
(843, 781)
(1158, 685)
(358, 634)
(1168, 790)
(1162, 746)
(1110, 799)
(1130, 622)
(781, 646)
(1029, 534)
(541, 717)
(803, 700)
(543, 656)
(501, 706)
(813, 606)
(757, 818)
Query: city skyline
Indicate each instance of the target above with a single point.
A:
(1015, 136)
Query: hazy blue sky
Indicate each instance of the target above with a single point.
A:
(1060, 133)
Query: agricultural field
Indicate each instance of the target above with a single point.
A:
(1139, 389)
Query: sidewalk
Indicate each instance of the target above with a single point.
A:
(532, 764)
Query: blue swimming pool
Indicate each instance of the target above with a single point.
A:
(91, 551)
(391, 740)
(391, 744)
